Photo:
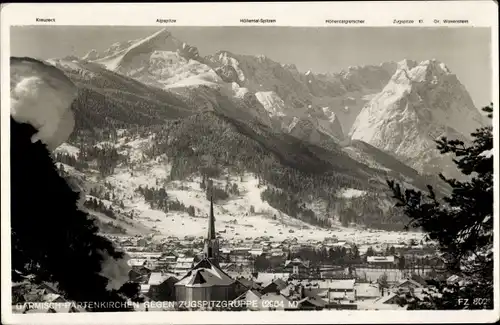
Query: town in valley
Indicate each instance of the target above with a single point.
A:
(210, 273)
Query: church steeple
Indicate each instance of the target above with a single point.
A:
(211, 221)
(211, 250)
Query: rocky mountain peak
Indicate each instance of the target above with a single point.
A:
(421, 103)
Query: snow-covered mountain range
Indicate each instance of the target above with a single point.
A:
(297, 140)
(312, 105)
(399, 107)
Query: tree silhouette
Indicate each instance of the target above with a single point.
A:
(382, 283)
(462, 223)
(51, 238)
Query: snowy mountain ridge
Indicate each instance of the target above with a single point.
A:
(399, 107)
(162, 61)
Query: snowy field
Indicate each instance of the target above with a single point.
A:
(233, 217)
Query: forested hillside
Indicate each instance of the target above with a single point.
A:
(295, 173)
(107, 100)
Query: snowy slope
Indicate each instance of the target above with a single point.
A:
(106, 98)
(421, 103)
(316, 130)
(234, 217)
(160, 60)
(273, 104)
(164, 62)
(129, 54)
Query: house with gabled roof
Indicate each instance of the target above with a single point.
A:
(408, 285)
(161, 287)
(248, 283)
(297, 268)
(276, 285)
(391, 298)
(182, 265)
(252, 299)
(264, 278)
(311, 303)
(386, 302)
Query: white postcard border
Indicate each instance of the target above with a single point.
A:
(311, 14)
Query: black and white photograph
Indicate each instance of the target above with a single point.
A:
(250, 168)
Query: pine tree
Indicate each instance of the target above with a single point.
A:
(355, 253)
(401, 262)
(51, 238)
(462, 223)
(382, 283)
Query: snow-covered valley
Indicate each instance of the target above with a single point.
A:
(242, 217)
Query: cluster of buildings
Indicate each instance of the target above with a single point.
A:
(191, 280)
(200, 282)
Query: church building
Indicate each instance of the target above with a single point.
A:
(206, 281)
